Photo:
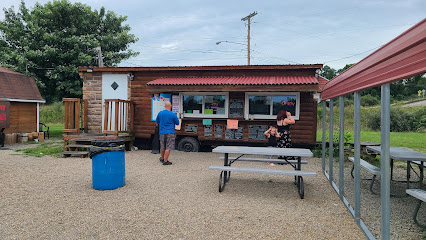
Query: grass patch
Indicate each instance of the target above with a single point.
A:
(55, 130)
(412, 140)
(52, 113)
(44, 148)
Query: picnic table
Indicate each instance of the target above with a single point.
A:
(363, 149)
(408, 155)
(297, 153)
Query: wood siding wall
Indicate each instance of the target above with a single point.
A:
(303, 132)
(23, 118)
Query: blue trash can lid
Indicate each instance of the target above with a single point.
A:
(108, 142)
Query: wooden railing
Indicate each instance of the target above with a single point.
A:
(118, 116)
(75, 115)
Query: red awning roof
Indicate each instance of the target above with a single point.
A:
(251, 80)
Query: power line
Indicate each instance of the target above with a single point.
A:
(354, 55)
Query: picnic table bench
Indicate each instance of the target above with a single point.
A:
(369, 167)
(420, 194)
(226, 169)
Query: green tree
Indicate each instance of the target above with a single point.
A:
(344, 68)
(328, 72)
(50, 41)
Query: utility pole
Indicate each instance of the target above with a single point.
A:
(100, 59)
(248, 34)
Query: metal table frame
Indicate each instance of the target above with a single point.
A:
(268, 151)
(404, 154)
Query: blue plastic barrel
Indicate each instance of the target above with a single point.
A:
(108, 164)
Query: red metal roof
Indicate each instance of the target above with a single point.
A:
(402, 57)
(246, 80)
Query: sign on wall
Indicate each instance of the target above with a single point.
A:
(4, 114)
(236, 108)
(257, 132)
(157, 104)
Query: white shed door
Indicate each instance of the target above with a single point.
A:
(114, 86)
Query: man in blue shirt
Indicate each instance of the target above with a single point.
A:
(167, 120)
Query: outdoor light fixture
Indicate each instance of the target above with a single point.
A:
(130, 76)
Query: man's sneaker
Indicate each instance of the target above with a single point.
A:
(167, 163)
(161, 160)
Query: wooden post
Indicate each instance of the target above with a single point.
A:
(66, 123)
(117, 110)
(106, 115)
(77, 115)
(85, 122)
(132, 113)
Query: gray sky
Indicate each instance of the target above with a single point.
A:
(185, 32)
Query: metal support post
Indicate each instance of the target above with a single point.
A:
(384, 161)
(330, 144)
(324, 109)
(357, 149)
(341, 145)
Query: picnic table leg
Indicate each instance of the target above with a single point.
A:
(419, 203)
(298, 166)
(299, 179)
(408, 174)
(421, 175)
(226, 163)
(222, 182)
(300, 187)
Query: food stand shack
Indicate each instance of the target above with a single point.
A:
(217, 105)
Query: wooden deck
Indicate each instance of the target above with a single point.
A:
(118, 124)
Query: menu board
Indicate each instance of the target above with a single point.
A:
(236, 108)
(234, 133)
(257, 132)
(208, 131)
(191, 128)
(218, 131)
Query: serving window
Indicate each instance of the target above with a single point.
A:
(267, 105)
(204, 105)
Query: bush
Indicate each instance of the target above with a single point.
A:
(401, 120)
(369, 100)
(419, 120)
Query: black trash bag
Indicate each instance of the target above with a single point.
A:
(106, 145)
(156, 140)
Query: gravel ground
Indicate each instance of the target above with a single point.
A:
(53, 198)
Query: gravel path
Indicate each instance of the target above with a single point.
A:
(415, 104)
(53, 198)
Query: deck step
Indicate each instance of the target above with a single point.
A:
(83, 140)
(75, 153)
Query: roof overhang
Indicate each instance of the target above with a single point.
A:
(25, 100)
(401, 58)
(91, 69)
